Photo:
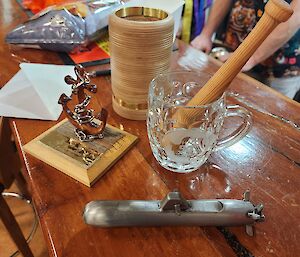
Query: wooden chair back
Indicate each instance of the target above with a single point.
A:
(10, 167)
(9, 161)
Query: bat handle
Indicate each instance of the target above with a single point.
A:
(276, 11)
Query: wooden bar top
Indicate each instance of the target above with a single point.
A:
(266, 161)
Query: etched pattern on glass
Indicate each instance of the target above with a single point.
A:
(177, 148)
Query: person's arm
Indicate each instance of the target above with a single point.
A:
(217, 14)
(280, 35)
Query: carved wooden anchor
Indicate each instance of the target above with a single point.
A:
(87, 125)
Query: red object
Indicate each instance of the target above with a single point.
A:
(37, 5)
(34, 5)
(292, 60)
(93, 53)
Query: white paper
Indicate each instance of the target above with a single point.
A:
(34, 91)
(173, 7)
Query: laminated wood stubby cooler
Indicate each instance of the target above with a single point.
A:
(140, 46)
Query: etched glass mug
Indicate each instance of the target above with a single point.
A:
(182, 147)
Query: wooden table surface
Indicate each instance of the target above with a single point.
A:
(266, 161)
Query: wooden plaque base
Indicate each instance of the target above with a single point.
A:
(54, 148)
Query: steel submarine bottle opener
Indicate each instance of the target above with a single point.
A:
(174, 210)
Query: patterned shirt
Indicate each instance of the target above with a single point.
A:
(285, 62)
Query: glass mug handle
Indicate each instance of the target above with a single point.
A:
(241, 131)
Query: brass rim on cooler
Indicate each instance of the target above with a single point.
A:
(140, 47)
(141, 11)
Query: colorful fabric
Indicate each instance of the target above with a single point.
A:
(241, 21)
(196, 20)
(285, 62)
(200, 12)
(187, 21)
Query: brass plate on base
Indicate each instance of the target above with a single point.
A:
(53, 147)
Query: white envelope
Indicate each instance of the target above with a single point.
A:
(34, 91)
(173, 7)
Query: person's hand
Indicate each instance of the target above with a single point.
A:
(249, 64)
(203, 43)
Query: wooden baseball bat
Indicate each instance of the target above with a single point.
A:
(276, 11)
